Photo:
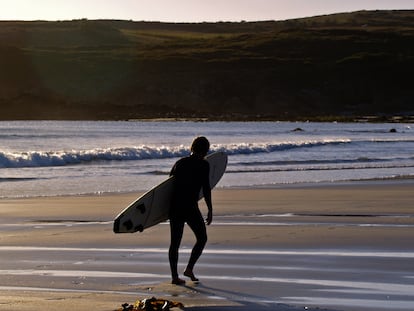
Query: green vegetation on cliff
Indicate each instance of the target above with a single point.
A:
(340, 65)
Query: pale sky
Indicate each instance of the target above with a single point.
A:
(186, 10)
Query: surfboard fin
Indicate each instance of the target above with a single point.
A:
(141, 208)
(128, 224)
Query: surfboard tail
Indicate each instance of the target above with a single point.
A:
(117, 224)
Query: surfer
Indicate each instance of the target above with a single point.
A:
(191, 175)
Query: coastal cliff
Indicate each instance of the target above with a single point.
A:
(339, 66)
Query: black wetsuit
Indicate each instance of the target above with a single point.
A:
(191, 176)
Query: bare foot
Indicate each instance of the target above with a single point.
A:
(191, 275)
(177, 281)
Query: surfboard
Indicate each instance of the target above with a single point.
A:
(153, 206)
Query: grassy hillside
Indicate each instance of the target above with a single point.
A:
(341, 65)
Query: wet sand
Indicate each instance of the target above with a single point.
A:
(342, 247)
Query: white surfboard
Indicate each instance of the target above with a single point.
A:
(153, 206)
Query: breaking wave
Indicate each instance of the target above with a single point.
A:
(73, 157)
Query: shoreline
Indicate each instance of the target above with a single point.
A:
(269, 249)
(392, 181)
(391, 119)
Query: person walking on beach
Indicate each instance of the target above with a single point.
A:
(191, 175)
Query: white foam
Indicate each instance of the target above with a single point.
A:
(232, 251)
(82, 273)
(381, 287)
(41, 158)
(64, 290)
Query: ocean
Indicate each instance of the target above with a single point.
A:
(53, 158)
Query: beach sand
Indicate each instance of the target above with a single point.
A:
(333, 247)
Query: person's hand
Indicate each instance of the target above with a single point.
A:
(209, 218)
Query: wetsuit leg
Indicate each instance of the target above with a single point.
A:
(177, 229)
(196, 222)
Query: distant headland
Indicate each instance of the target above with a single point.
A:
(344, 67)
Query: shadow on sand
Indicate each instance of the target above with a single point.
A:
(249, 307)
(242, 302)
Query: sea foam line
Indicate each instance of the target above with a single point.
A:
(395, 288)
(66, 290)
(233, 251)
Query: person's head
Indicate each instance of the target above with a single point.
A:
(200, 146)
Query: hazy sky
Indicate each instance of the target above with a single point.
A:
(186, 10)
